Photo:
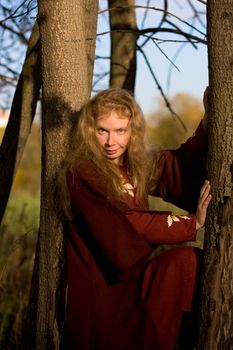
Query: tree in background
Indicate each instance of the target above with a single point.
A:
(67, 61)
(216, 328)
(123, 43)
(21, 117)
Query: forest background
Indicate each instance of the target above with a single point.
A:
(182, 82)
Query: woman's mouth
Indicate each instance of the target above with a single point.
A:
(110, 152)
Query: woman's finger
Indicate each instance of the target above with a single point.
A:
(204, 191)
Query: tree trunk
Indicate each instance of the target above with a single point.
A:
(216, 329)
(21, 117)
(123, 43)
(67, 51)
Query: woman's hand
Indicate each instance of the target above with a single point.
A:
(203, 202)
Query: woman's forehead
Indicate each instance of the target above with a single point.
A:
(105, 109)
(112, 121)
(111, 115)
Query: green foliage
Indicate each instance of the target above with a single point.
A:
(18, 234)
(22, 214)
(28, 174)
(157, 203)
(167, 131)
(18, 238)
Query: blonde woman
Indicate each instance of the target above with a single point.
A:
(118, 297)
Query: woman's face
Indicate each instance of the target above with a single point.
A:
(113, 133)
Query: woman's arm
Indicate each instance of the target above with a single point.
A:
(165, 228)
(182, 172)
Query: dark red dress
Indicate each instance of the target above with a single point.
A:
(118, 298)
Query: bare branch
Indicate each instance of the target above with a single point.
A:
(196, 13)
(182, 33)
(155, 9)
(19, 34)
(159, 30)
(173, 113)
(98, 57)
(203, 2)
(9, 69)
(164, 54)
(173, 60)
(101, 76)
(188, 36)
(145, 13)
(165, 7)
(161, 22)
(7, 80)
(14, 13)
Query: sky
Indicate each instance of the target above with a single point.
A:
(192, 77)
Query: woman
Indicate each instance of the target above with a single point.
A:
(118, 297)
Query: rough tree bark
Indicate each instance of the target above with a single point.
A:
(21, 117)
(123, 43)
(67, 53)
(216, 329)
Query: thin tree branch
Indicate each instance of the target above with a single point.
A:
(164, 54)
(173, 60)
(173, 113)
(10, 29)
(161, 22)
(101, 76)
(157, 30)
(154, 9)
(188, 36)
(196, 13)
(6, 66)
(145, 13)
(184, 34)
(13, 14)
(7, 80)
(98, 57)
(165, 7)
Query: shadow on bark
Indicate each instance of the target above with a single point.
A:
(45, 316)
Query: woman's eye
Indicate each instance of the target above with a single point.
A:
(101, 131)
(121, 131)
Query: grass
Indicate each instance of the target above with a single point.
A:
(18, 234)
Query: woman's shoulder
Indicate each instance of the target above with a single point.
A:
(85, 169)
(87, 174)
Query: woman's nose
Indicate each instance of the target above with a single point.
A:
(110, 139)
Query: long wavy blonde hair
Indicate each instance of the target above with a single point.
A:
(136, 158)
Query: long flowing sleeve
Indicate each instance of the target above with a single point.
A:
(182, 172)
(163, 227)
